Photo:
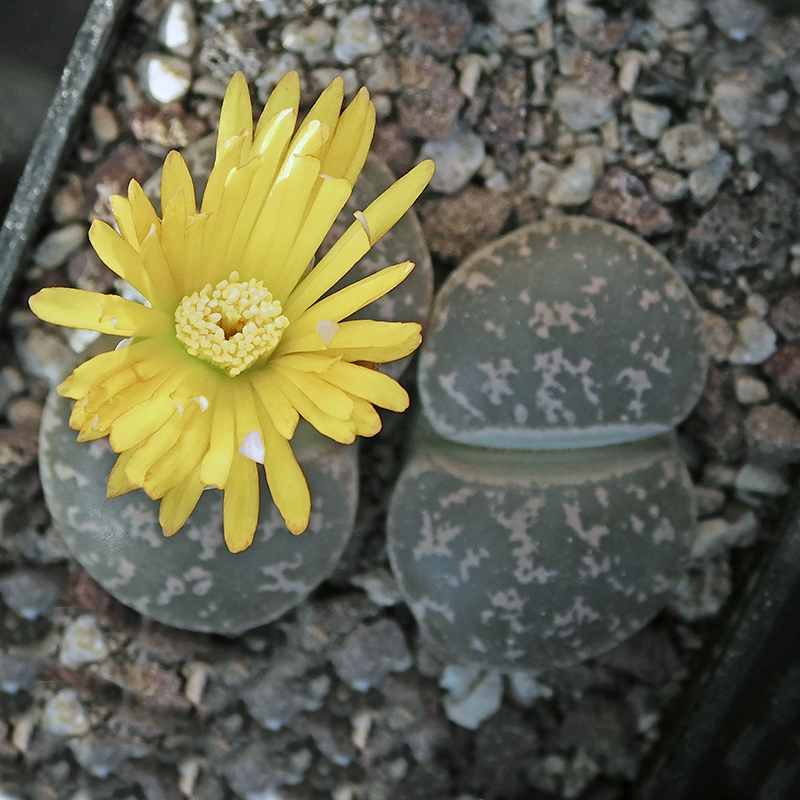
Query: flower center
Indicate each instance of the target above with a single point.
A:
(232, 325)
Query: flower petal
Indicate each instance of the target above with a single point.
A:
(152, 450)
(373, 386)
(340, 430)
(229, 156)
(138, 412)
(194, 242)
(244, 225)
(282, 413)
(175, 177)
(97, 369)
(284, 101)
(309, 362)
(273, 236)
(118, 481)
(327, 203)
(178, 504)
(142, 211)
(367, 420)
(139, 423)
(183, 457)
(109, 407)
(352, 298)
(112, 386)
(106, 313)
(246, 416)
(216, 465)
(387, 341)
(121, 209)
(285, 479)
(325, 111)
(120, 257)
(223, 223)
(380, 215)
(236, 116)
(173, 244)
(348, 148)
(155, 262)
(331, 400)
(240, 504)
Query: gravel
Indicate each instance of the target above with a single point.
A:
(83, 643)
(688, 146)
(356, 36)
(457, 159)
(649, 119)
(673, 118)
(473, 695)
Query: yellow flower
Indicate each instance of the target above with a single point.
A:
(240, 338)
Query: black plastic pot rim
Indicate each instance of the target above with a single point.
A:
(84, 64)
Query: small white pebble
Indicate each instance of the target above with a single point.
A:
(166, 79)
(188, 770)
(64, 714)
(757, 304)
(750, 390)
(755, 343)
(177, 30)
(197, 674)
(104, 123)
(83, 643)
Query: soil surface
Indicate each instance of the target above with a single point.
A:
(674, 118)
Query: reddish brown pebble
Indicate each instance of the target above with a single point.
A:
(86, 271)
(729, 236)
(622, 197)
(437, 26)
(784, 369)
(68, 202)
(18, 449)
(503, 127)
(429, 101)
(785, 317)
(773, 432)
(168, 125)
(718, 419)
(153, 683)
(461, 223)
(390, 146)
(125, 162)
(83, 591)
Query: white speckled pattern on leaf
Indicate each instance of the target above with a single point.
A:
(567, 333)
(191, 580)
(521, 559)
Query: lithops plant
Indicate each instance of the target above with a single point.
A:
(554, 516)
(190, 580)
(240, 336)
(518, 559)
(566, 333)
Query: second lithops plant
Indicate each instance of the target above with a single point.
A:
(541, 537)
(568, 333)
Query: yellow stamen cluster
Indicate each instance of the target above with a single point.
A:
(232, 325)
